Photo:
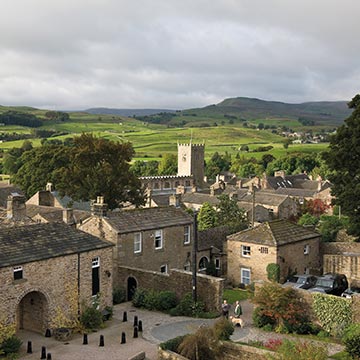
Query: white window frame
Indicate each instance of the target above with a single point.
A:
(187, 234)
(137, 243)
(217, 264)
(306, 249)
(164, 267)
(95, 262)
(187, 266)
(245, 279)
(158, 237)
(17, 269)
(245, 251)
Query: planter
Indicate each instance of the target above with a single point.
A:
(62, 334)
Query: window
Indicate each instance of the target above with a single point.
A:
(18, 272)
(187, 234)
(137, 243)
(245, 276)
(156, 186)
(163, 269)
(95, 275)
(158, 239)
(187, 266)
(306, 249)
(217, 263)
(187, 183)
(264, 250)
(245, 250)
(167, 185)
(203, 263)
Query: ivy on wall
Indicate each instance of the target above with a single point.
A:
(334, 313)
(273, 272)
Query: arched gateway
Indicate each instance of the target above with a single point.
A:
(131, 287)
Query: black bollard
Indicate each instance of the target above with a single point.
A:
(125, 316)
(140, 325)
(29, 347)
(135, 332)
(135, 320)
(43, 352)
(123, 338)
(48, 356)
(101, 340)
(47, 333)
(85, 339)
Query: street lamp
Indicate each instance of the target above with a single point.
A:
(194, 260)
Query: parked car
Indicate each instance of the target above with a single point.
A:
(334, 284)
(350, 292)
(301, 281)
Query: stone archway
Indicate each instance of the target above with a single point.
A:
(131, 287)
(32, 312)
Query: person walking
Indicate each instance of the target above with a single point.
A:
(225, 307)
(238, 309)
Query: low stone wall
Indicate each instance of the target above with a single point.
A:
(209, 288)
(231, 351)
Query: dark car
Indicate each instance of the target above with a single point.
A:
(334, 284)
(301, 281)
(350, 292)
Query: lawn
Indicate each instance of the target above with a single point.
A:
(231, 295)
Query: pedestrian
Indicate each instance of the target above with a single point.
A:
(238, 309)
(225, 307)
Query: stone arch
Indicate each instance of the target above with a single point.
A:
(203, 262)
(33, 310)
(131, 287)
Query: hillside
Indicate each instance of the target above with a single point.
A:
(321, 112)
(126, 112)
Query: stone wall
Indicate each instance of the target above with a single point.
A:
(209, 289)
(48, 284)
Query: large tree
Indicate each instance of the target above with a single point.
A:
(343, 159)
(89, 168)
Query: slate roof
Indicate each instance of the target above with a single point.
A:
(212, 238)
(296, 192)
(148, 219)
(264, 197)
(199, 198)
(68, 202)
(5, 191)
(275, 233)
(23, 244)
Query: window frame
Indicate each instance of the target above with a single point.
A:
(159, 237)
(306, 249)
(164, 267)
(187, 234)
(242, 277)
(200, 261)
(18, 272)
(246, 251)
(138, 241)
(217, 263)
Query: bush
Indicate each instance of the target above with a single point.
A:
(91, 318)
(139, 298)
(186, 307)
(260, 319)
(11, 345)
(119, 295)
(172, 344)
(223, 329)
(351, 340)
(167, 300)
(273, 272)
(154, 300)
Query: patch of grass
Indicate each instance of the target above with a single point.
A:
(343, 355)
(231, 295)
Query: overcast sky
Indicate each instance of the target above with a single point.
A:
(176, 54)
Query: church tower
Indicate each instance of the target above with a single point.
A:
(191, 159)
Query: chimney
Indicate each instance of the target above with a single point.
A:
(68, 216)
(239, 184)
(16, 208)
(180, 189)
(174, 200)
(194, 189)
(49, 187)
(99, 208)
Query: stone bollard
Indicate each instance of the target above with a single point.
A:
(125, 316)
(85, 339)
(135, 332)
(101, 340)
(140, 326)
(47, 333)
(123, 338)
(48, 356)
(135, 320)
(43, 352)
(29, 347)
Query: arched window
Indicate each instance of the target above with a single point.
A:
(203, 263)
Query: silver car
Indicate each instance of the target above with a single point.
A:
(301, 281)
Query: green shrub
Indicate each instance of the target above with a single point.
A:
(91, 318)
(273, 272)
(172, 344)
(167, 300)
(119, 295)
(187, 307)
(260, 319)
(223, 329)
(351, 340)
(11, 345)
(151, 300)
(138, 299)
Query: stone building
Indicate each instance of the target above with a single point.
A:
(152, 239)
(295, 249)
(44, 266)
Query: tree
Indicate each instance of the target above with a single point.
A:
(230, 214)
(206, 217)
(343, 158)
(145, 168)
(168, 165)
(89, 168)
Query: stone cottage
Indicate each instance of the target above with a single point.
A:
(46, 267)
(294, 248)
